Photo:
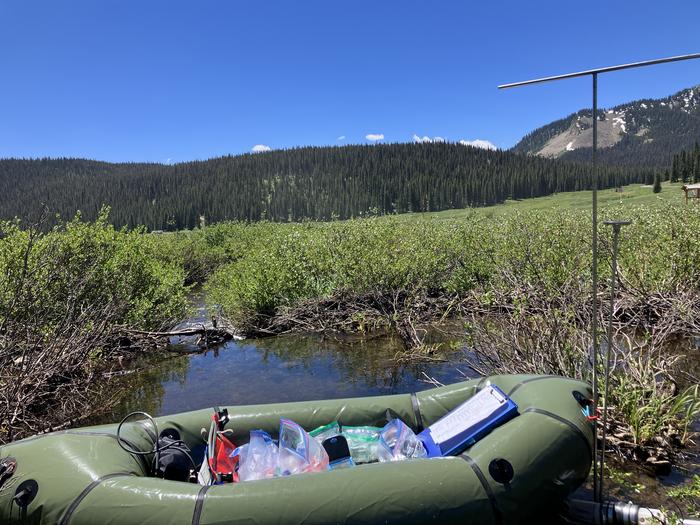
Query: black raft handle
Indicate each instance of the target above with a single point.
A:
(25, 493)
(501, 471)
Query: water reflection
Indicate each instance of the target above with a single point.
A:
(145, 390)
(286, 368)
(307, 367)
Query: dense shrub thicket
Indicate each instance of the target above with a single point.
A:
(65, 295)
(520, 283)
(275, 265)
(83, 264)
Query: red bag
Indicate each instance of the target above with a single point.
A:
(223, 467)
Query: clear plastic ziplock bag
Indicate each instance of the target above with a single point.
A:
(258, 459)
(398, 442)
(363, 443)
(299, 452)
(320, 434)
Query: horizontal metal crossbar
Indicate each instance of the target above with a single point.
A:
(601, 70)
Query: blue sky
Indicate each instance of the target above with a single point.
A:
(167, 81)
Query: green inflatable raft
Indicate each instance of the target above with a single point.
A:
(83, 476)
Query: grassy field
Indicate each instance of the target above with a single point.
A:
(634, 194)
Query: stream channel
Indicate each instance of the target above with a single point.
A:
(309, 367)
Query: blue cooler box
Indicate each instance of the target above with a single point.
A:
(469, 422)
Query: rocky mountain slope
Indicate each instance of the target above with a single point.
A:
(641, 133)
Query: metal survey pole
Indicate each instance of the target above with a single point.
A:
(594, 285)
(594, 237)
(616, 226)
(618, 513)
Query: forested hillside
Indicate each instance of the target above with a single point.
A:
(685, 166)
(640, 133)
(303, 183)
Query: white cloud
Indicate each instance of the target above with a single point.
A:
(259, 148)
(342, 137)
(375, 136)
(478, 143)
(416, 138)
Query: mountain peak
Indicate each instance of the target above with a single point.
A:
(643, 132)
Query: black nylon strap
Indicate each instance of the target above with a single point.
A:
(487, 488)
(568, 423)
(531, 380)
(71, 508)
(416, 412)
(199, 504)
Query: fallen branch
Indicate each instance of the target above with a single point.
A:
(183, 333)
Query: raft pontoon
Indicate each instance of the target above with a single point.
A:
(520, 469)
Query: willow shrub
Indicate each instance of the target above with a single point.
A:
(203, 250)
(85, 265)
(64, 296)
(660, 251)
(292, 263)
(281, 264)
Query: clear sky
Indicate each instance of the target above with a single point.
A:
(170, 80)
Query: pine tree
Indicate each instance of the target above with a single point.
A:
(302, 183)
(683, 166)
(674, 169)
(657, 183)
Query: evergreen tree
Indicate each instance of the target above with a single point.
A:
(657, 183)
(685, 165)
(675, 175)
(317, 183)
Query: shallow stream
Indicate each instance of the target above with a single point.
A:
(308, 367)
(283, 368)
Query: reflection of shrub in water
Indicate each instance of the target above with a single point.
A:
(144, 389)
(370, 361)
